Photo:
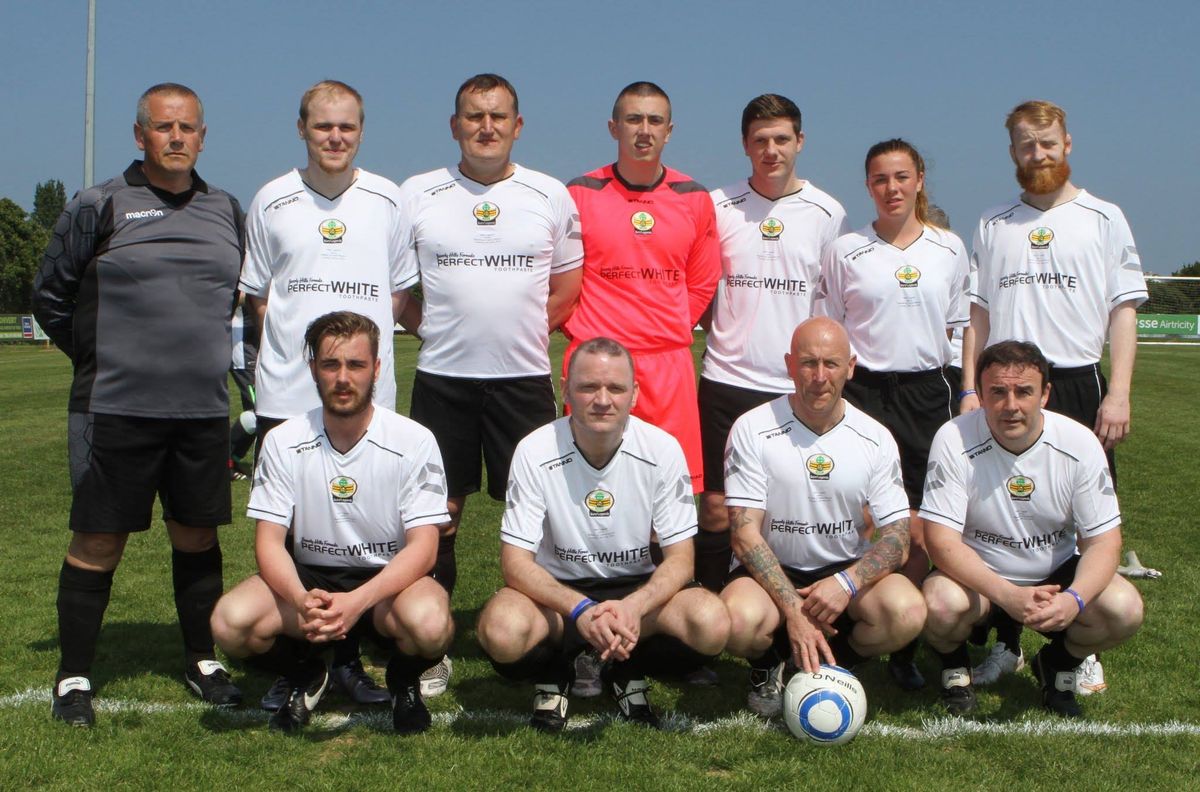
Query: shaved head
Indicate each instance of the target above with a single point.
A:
(819, 364)
(819, 327)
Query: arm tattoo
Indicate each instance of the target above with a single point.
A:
(887, 554)
(762, 564)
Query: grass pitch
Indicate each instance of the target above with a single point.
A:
(151, 733)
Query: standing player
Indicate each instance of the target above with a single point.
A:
(137, 287)
(347, 499)
(323, 238)
(499, 252)
(1058, 258)
(1021, 514)
(651, 264)
(899, 286)
(245, 360)
(587, 496)
(800, 475)
(773, 229)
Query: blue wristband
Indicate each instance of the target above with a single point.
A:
(1078, 599)
(848, 584)
(965, 393)
(584, 604)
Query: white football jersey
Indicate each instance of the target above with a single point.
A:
(1021, 514)
(1053, 277)
(770, 262)
(896, 304)
(588, 523)
(309, 255)
(813, 487)
(352, 509)
(486, 253)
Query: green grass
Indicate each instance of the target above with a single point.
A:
(153, 735)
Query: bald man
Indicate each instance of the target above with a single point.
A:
(808, 585)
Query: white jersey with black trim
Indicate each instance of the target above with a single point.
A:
(589, 523)
(770, 262)
(352, 509)
(813, 487)
(897, 304)
(486, 253)
(1053, 277)
(308, 255)
(1022, 513)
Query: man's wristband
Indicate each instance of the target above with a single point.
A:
(846, 583)
(962, 394)
(584, 604)
(1078, 599)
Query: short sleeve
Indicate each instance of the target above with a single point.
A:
(568, 234)
(674, 506)
(525, 504)
(1125, 279)
(745, 477)
(273, 496)
(422, 496)
(944, 500)
(885, 494)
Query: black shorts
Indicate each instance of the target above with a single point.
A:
(600, 590)
(721, 405)
(913, 406)
(262, 425)
(466, 415)
(801, 579)
(342, 579)
(118, 463)
(1077, 393)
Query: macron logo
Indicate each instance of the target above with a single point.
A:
(144, 213)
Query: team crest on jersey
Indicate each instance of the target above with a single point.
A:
(770, 228)
(332, 231)
(643, 222)
(819, 466)
(599, 502)
(486, 213)
(1020, 488)
(342, 488)
(908, 276)
(1040, 238)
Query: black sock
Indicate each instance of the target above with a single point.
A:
(197, 581)
(907, 653)
(82, 598)
(404, 670)
(1057, 657)
(713, 553)
(958, 657)
(289, 657)
(770, 658)
(543, 663)
(843, 652)
(445, 569)
(1008, 630)
(666, 655)
(348, 649)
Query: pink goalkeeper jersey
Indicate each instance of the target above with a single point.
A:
(651, 259)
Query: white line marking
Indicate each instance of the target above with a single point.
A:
(929, 729)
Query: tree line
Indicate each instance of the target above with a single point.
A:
(23, 238)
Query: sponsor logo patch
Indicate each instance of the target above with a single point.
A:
(908, 276)
(642, 222)
(599, 502)
(486, 213)
(819, 466)
(770, 228)
(332, 231)
(342, 488)
(1020, 488)
(1040, 238)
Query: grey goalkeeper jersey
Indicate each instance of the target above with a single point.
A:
(137, 288)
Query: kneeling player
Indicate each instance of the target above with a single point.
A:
(800, 471)
(586, 495)
(348, 500)
(1021, 514)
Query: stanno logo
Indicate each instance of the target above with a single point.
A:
(342, 488)
(1020, 488)
(144, 213)
(643, 222)
(486, 213)
(819, 467)
(770, 228)
(332, 231)
(1040, 238)
(598, 502)
(908, 276)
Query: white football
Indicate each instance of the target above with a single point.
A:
(827, 708)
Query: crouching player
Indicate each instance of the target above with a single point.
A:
(586, 495)
(808, 586)
(348, 500)
(1021, 514)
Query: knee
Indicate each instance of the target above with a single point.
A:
(908, 615)
(429, 624)
(713, 516)
(745, 625)
(503, 637)
(99, 552)
(1127, 614)
(231, 626)
(708, 625)
(942, 610)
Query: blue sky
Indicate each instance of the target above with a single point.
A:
(941, 74)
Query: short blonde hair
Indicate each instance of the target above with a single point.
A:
(1038, 112)
(328, 88)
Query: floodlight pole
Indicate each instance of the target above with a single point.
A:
(89, 112)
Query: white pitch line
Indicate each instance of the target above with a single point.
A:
(929, 729)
